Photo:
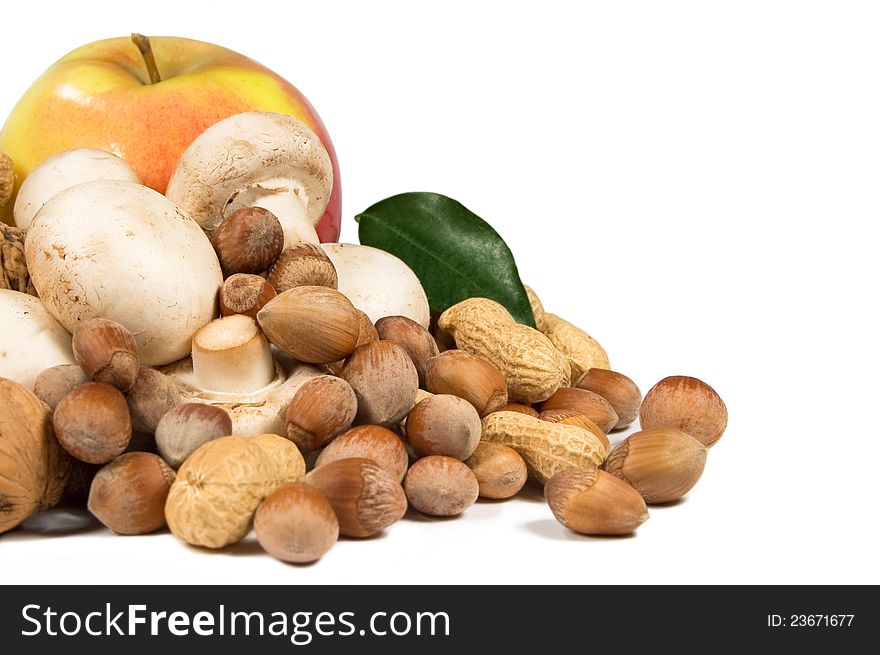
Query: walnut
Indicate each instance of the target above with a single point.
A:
(7, 179)
(13, 267)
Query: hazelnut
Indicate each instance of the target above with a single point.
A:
(313, 324)
(443, 425)
(322, 408)
(128, 494)
(303, 265)
(54, 383)
(217, 490)
(366, 334)
(594, 502)
(384, 380)
(372, 442)
(468, 376)
(519, 407)
(107, 352)
(92, 422)
(412, 337)
(441, 486)
(153, 395)
(590, 404)
(499, 470)
(686, 404)
(296, 524)
(661, 464)
(249, 240)
(244, 293)
(186, 427)
(623, 394)
(365, 498)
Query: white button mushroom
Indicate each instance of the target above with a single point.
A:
(32, 340)
(121, 251)
(255, 159)
(378, 283)
(232, 367)
(62, 171)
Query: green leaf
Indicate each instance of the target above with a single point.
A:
(455, 253)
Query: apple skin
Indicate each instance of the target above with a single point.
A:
(99, 96)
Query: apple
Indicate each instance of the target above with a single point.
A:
(101, 95)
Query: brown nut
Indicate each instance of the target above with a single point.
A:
(153, 395)
(303, 265)
(54, 383)
(249, 240)
(7, 179)
(14, 273)
(413, 338)
(622, 393)
(92, 422)
(107, 352)
(187, 427)
(518, 407)
(590, 404)
(296, 524)
(499, 470)
(286, 458)
(128, 494)
(322, 408)
(686, 404)
(594, 502)
(313, 324)
(574, 417)
(366, 334)
(244, 293)
(661, 464)
(372, 442)
(365, 498)
(33, 467)
(468, 376)
(217, 490)
(443, 425)
(441, 486)
(384, 380)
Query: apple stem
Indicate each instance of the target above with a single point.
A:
(143, 44)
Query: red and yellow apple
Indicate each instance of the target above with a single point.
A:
(100, 96)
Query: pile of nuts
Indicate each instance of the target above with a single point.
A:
(324, 400)
(387, 420)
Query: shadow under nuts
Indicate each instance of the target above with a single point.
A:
(441, 486)
(365, 498)
(315, 325)
(296, 524)
(594, 502)
(384, 380)
(686, 404)
(443, 425)
(128, 495)
(661, 464)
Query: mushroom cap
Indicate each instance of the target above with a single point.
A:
(121, 251)
(244, 150)
(32, 340)
(378, 283)
(62, 171)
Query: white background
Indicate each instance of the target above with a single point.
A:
(695, 183)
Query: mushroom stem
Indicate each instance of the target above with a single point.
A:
(231, 355)
(283, 200)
